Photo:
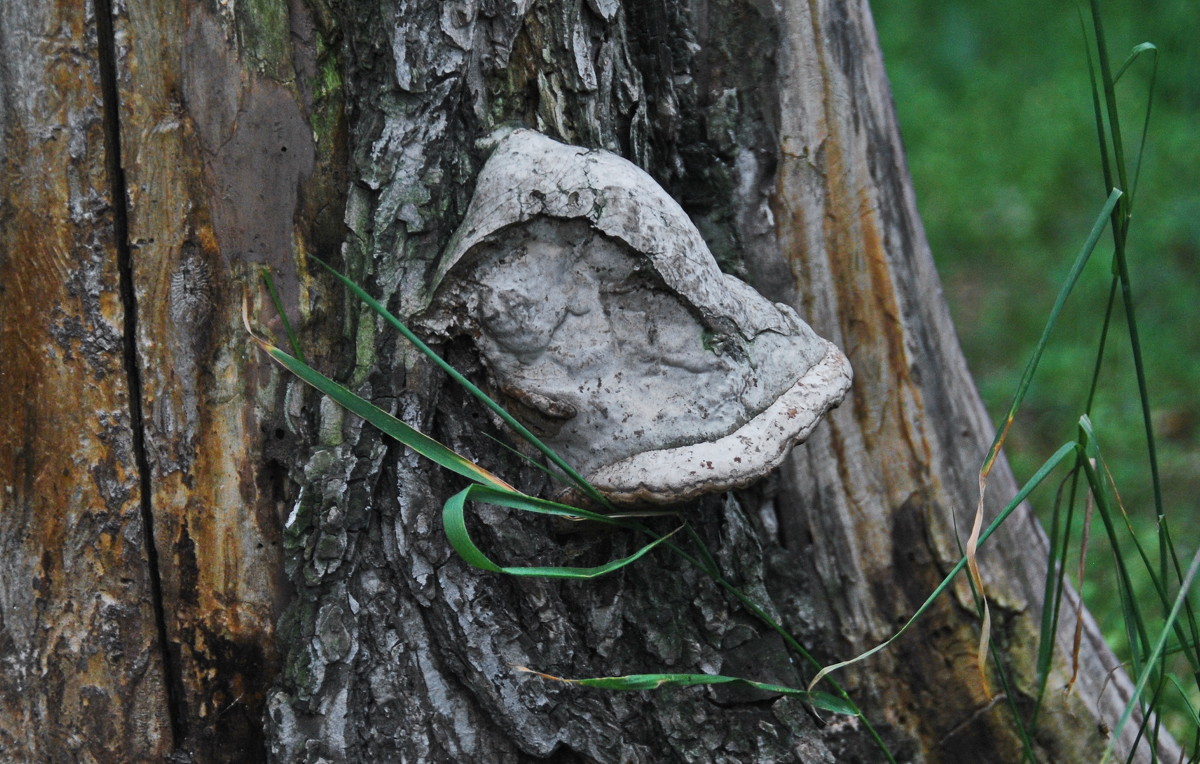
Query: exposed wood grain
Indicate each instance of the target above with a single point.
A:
(217, 153)
(218, 148)
(896, 502)
(82, 678)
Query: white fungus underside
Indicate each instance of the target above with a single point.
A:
(671, 475)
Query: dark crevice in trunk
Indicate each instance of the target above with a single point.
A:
(116, 177)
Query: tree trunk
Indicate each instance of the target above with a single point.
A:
(201, 556)
(154, 159)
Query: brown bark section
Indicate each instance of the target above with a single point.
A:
(81, 676)
(210, 113)
(217, 150)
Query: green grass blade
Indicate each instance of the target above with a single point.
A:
(1050, 464)
(1156, 582)
(388, 424)
(1081, 260)
(1156, 653)
(1134, 55)
(642, 682)
(293, 340)
(1121, 217)
(454, 521)
(1188, 646)
(1108, 85)
(1098, 112)
(1193, 717)
(1137, 51)
(1094, 386)
(1139, 367)
(1031, 366)
(1141, 651)
(1010, 698)
(1052, 597)
(456, 526)
(1135, 624)
(557, 477)
(584, 486)
(710, 568)
(710, 565)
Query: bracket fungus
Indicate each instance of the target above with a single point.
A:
(609, 330)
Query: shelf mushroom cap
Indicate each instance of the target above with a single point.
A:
(611, 332)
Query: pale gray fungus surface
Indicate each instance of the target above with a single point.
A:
(609, 329)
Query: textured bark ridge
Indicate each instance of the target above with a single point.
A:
(608, 327)
(400, 651)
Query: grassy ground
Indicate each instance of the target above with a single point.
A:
(995, 106)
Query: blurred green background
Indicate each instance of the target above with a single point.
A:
(995, 107)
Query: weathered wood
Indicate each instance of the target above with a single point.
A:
(210, 110)
(82, 676)
(218, 149)
(893, 507)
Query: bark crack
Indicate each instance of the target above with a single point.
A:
(107, 59)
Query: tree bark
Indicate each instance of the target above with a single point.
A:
(155, 158)
(227, 567)
(81, 651)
